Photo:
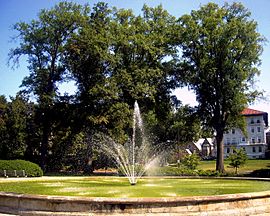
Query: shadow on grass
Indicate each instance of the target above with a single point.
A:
(261, 173)
(95, 173)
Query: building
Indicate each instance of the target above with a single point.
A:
(208, 148)
(205, 147)
(255, 143)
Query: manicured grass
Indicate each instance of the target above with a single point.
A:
(120, 187)
(250, 166)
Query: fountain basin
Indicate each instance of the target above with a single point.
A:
(234, 204)
(255, 203)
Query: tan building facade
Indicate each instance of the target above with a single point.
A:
(255, 142)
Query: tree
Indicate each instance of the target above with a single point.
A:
(43, 41)
(13, 121)
(89, 61)
(184, 127)
(238, 158)
(220, 49)
(3, 127)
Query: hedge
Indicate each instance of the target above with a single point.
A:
(31, 169)
(182, 171)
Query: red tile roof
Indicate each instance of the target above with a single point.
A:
(248, 111)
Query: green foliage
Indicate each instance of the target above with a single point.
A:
(191, 161)
(211, 173)
(238, 158)
(184, 126)
(182, 171)
(14, 116)
(172, 171)
(31, 169)
(43, 41)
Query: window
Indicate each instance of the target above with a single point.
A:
(252, 121)
(258, 121)
(259, 140)
(253, 140)
(252, 130)
(233, 131)
(228, 150)
(243, 139)
(253, 149)
(259, 129)
(260, 149)
(234, 140)
(244, 148)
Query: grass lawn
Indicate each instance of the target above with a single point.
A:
(250, 165)
(120, 187)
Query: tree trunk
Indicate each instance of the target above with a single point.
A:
(89, 163)
(220, 152)
(44, 142)
(89, 166)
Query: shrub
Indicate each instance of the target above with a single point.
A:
(191, 161)
(237, 159)
(31, 169)
(183, 171)
(210, 173)
(173, 171)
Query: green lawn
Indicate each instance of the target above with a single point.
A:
(250, 166)
(120, 187)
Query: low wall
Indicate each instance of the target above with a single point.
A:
(236, 204)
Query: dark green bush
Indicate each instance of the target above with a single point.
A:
(173, 171)
(183, 171)
(31, 169)
(209, 173)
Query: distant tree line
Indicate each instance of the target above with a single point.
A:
(116, 57)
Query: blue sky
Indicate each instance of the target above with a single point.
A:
(12, 11)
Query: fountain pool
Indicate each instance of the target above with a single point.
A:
(151, 196)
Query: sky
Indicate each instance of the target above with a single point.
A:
(13, 11)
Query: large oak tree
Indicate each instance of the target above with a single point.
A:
(220, 49)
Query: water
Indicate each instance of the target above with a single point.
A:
(135, 157)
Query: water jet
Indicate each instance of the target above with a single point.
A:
(137, 155)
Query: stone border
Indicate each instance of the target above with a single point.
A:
(257, 203)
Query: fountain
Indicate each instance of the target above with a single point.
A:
(136, 156)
